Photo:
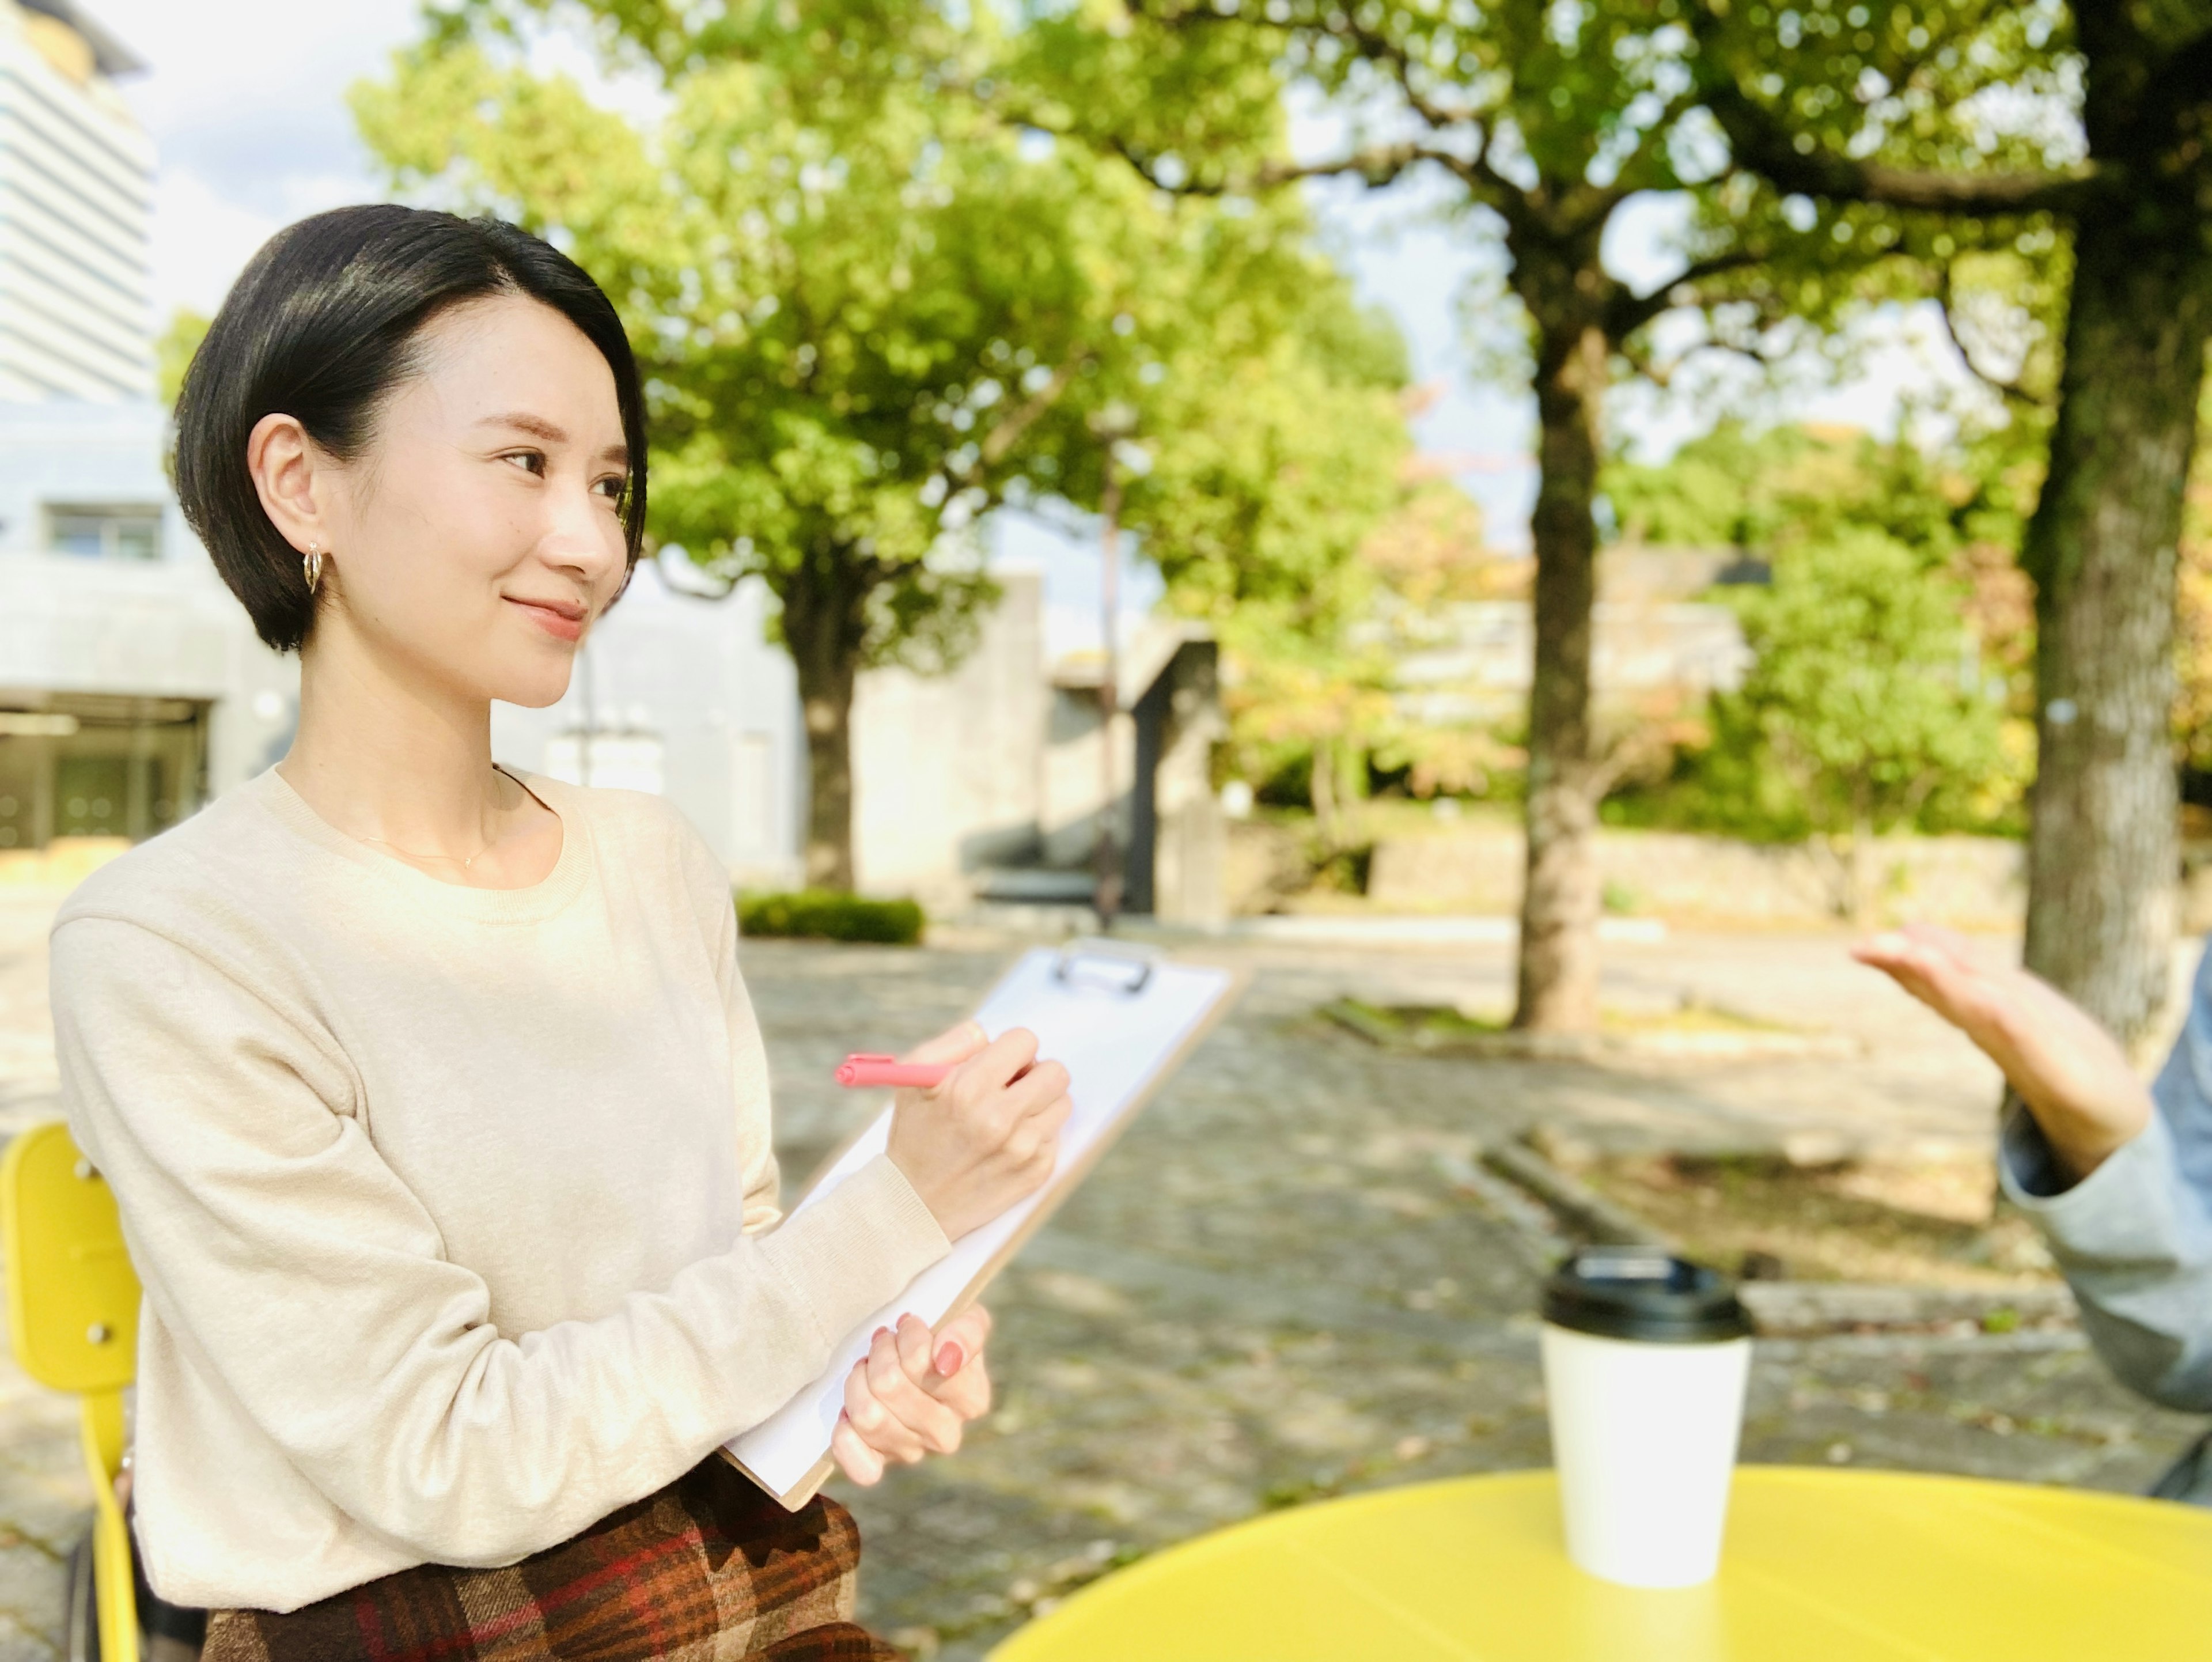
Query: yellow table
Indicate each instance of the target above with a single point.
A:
(1820, 1566)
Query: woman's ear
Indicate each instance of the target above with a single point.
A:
(285, 467)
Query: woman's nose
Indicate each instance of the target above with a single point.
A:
(581, 536)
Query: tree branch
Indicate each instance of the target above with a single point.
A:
(1018, 420)
(1377, 47)
(2011, 391)
(1792, 161)
(1627, 313)
(1635, 174)
(1377, 166)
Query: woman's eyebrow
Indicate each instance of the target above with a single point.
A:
(539, 428)
(536, 426)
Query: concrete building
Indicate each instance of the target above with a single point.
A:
(684, 698)
(1471, 662)
(130, 684)
(76, 186)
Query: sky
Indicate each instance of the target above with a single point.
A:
(246, 102)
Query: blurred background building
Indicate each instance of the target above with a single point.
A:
(128, 682)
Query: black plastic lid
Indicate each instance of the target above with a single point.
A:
(1640, 1292)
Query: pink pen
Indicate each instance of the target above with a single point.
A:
(864, 1072)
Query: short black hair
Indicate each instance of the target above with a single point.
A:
(321, 326)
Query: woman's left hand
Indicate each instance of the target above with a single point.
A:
(913, 1394)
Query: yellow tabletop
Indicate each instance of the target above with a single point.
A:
(1820, 1566)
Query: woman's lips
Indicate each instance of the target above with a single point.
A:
(562, 621)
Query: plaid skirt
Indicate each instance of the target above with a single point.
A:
(708, 1568)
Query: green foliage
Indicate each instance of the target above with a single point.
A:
(1285, 463)
(830, 915)
(1835, 510)
(834, 324)
(173, 352)
(1967, 89)
(870, 311)
(1866, 695)
(1767, 490)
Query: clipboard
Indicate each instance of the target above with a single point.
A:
(1122, 1020)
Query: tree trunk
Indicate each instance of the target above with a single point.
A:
(1321, 786)
(1863, 879)
(2103, 858)
(1560, 896)
(824, 626)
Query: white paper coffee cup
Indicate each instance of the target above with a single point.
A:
(1646, 1358)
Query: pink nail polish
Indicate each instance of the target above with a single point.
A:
(950, 1361)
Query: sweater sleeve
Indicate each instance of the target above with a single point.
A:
(285, 1255)
(749, 1079)
(2134, 1236)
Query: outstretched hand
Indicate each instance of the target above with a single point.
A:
(913, 1394)
(2072, 1074)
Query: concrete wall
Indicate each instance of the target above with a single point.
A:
(948, 771)
(1473, 660)
(686, 697)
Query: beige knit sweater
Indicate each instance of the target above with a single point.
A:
(454, 1206)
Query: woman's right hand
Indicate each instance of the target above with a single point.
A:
(987, 1134)
(2072, 1074)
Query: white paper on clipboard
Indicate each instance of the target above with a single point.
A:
(1115, 1023)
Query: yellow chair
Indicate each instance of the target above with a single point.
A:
(73, 1320)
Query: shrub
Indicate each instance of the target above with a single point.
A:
(830, 915)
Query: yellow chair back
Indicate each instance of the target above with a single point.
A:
(73, 1322)
(72, 1294)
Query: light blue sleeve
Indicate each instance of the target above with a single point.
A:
(2135, 1237)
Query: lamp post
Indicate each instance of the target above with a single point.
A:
(1113, 424)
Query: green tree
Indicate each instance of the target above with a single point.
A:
(1980, 119)
(1537, 124)
(867, 319)
(1865, 693)
(173, 350)
(1257, 514)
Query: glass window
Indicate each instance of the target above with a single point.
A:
(109, 533)
(77, 533)
(138, 537)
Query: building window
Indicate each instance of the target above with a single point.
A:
(105, 533)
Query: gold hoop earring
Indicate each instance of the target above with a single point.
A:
(311, 563)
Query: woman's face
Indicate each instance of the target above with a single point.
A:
(479, 535)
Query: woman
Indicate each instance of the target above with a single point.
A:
(2119, 1175)
(430, 1093)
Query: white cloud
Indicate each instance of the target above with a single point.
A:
(200, 241)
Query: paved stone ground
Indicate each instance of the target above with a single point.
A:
(1278, 1285)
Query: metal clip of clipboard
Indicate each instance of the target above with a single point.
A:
(1128, 967)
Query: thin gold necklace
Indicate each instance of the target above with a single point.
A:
(409, 853)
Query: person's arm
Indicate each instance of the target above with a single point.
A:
(2119, 1178)
(279, 1247)
(912, 1395)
